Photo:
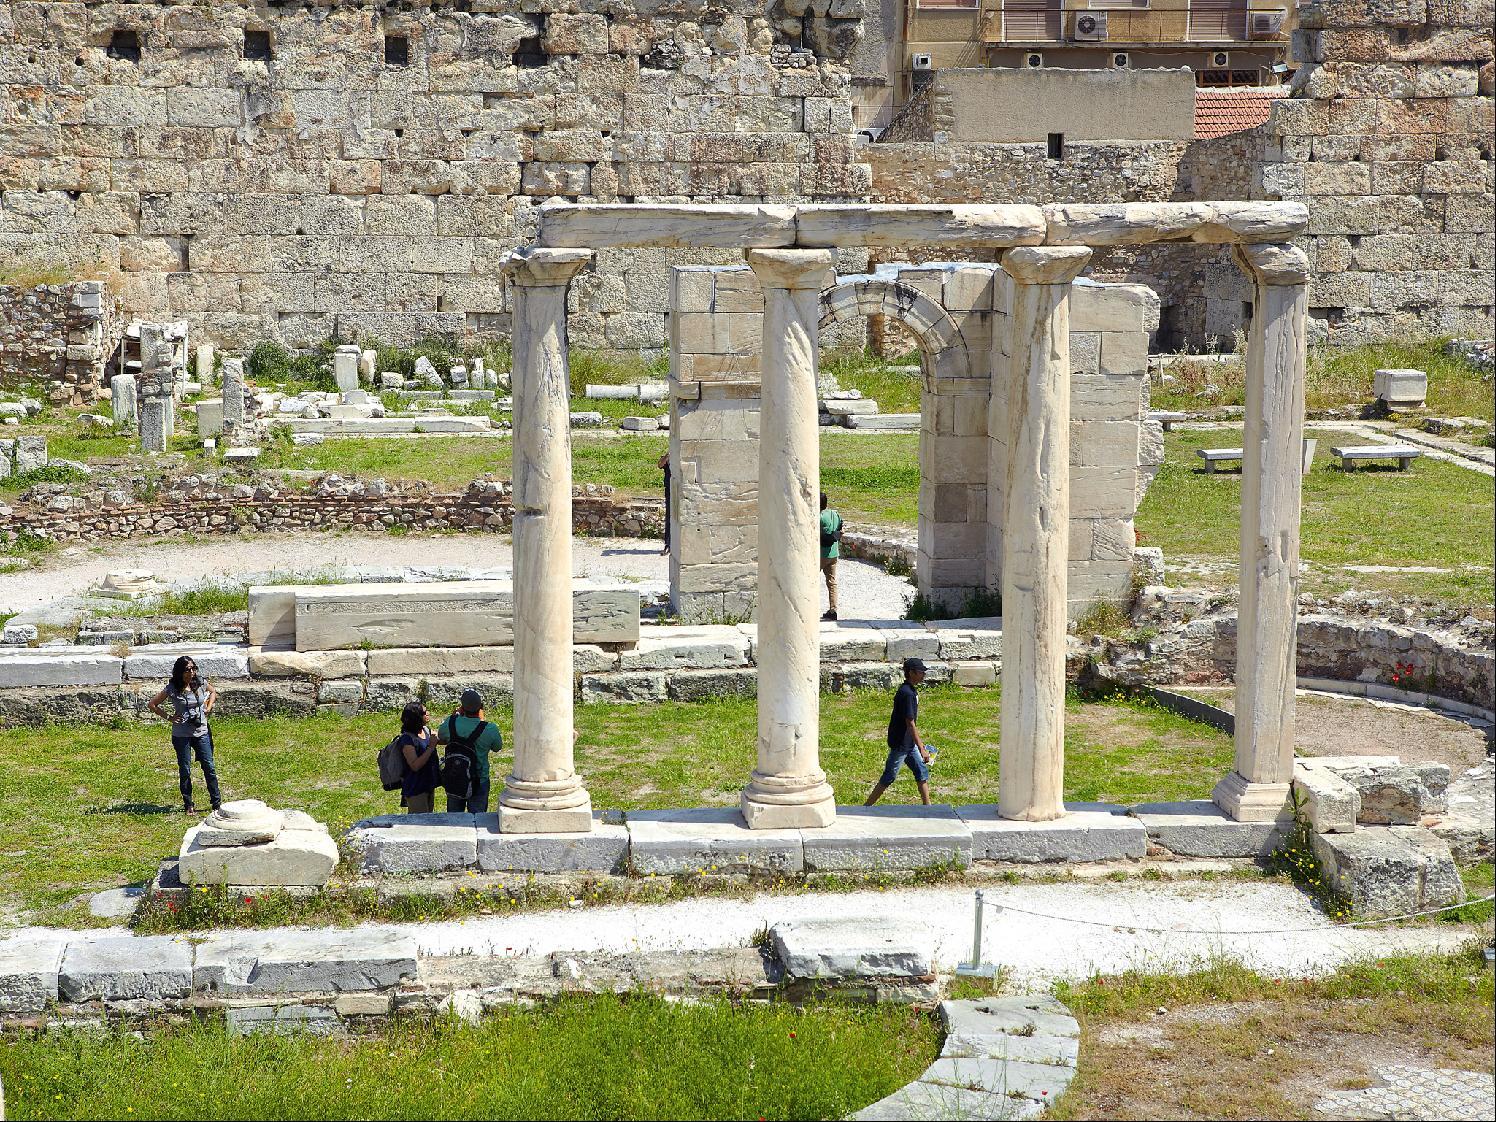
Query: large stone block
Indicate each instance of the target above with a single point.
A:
(687, 648)
(59, 667)
(306, 664)
(404, 844)
(850, 949)
(604, 850)
(429, 661)
(272, 617)
(214, 661)
(1201, 829)
(1389, 871)
(294, 857)
(287, 960)
(125, 968)
(1328, 803)
(708, 840)
(448, 614)
(888, 837)
(29, 966)
(1088, 832)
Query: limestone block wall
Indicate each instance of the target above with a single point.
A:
(957, 313)
(61, 336)
(357, 169)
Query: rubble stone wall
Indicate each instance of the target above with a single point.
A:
(366, 178)
(59, 337)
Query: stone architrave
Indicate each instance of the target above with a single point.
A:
(122, 399)
(544, 794)
(345, 361)
(1036, 533)
(788, 788)
(1257, 789)
(233, 394)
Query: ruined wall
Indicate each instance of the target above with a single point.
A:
(1388, 142)
(366, 178)
(59, 336)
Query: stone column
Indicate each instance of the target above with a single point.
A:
(544, 794)
(233, 395)
(155, 388)
(788, 787)
(1257, 788)
(1036, 533)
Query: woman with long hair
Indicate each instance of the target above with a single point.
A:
(191, 700)
(422, 770)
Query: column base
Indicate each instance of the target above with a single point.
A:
(1246, 801)
(788, 816)
(568, 820)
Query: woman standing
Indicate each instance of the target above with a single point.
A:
(191, 701)
(422, 771)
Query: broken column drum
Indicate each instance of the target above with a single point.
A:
(544, 794)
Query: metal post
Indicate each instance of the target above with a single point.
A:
(976, 968)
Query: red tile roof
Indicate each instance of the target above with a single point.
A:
(1220, 112)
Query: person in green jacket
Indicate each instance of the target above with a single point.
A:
(831, 527)
(467, 731)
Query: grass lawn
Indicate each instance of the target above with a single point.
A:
(90, 807)
(1228, 1043)
(1435, 514)
(595, 1057)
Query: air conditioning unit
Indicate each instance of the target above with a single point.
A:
(1089, 27)
(1034, 60)
(1266, 25)
(923, 62)
(1218, 60)
(1121, 60)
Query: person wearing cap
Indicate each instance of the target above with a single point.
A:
(905, 745)
(468, 730)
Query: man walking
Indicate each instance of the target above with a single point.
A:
(905, 745)
(831, 529)
(470, 739)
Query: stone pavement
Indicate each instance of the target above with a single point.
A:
(1416, 1094)
(1003, 1057)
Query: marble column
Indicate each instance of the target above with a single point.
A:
(1257, 789)
(544, 794)
(1036, 533)
(788, 787)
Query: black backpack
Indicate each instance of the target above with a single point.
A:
(460, 766)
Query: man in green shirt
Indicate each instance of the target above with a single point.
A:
(466, 731)
(831, 526)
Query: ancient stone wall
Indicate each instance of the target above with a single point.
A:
(358, 169)
(59, 336)
(1388, 142)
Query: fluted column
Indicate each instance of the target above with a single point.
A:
(1036, 534)
(1257, 789)
(544, 794)
(788, 787)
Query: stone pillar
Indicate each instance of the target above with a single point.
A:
(204, 367)
(156, 387)
(544, 794)
(233, 394)
(1036, 533)
(1257, 789)
(788, 787)
(345, 362)
(122, 398)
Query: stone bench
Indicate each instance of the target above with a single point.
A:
(1213, 456)
(1167, 418)
(1404, 454)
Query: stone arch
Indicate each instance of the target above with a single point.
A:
(942, 347)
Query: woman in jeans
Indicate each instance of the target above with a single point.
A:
(191, 701)
(422, 770)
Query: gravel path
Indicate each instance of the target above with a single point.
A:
(865, 591)
(1035, 949)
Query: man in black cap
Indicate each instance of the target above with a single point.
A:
(905, 745)
(469, 740)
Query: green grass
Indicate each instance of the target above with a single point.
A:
(895, 391)
(595, 1057)
(1341, 377)
(1435, 514)
(96, 808)
(873, 480)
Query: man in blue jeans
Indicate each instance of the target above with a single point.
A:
(466, 729)
(905, 745)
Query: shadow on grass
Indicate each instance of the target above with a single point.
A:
(133, 808)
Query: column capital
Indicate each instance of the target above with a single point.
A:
(1273, 263)
(1033, 264)
(544, 268)
(813, 269)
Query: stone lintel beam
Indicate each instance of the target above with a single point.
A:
(1257, 788)
(889, 225)
(1139, 223)
(674, 225)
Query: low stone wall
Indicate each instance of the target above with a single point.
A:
(61, 335)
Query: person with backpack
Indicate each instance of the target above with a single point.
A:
(418, 762)
(905, 744)
(192, 699)
(831, 532)
(470, 740)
